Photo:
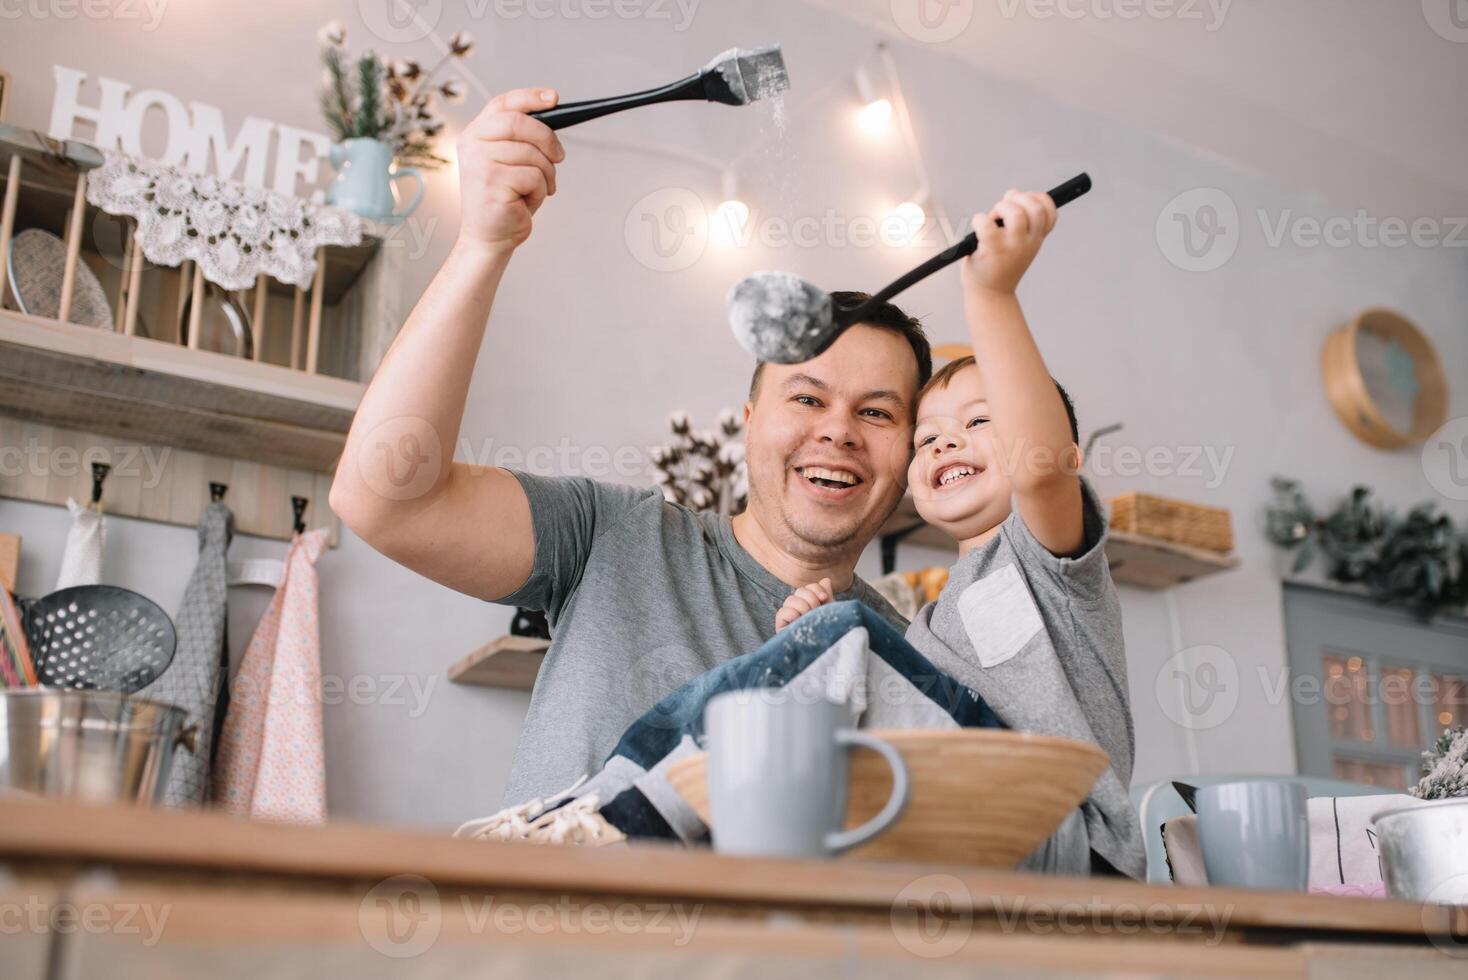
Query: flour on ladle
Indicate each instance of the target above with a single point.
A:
(779, 317)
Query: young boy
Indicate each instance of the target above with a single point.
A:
(1029, 619)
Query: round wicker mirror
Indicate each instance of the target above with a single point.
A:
(1384, 380)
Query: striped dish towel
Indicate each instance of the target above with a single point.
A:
(16, 668)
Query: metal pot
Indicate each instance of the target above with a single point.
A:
(1424, 851)
(94, 746)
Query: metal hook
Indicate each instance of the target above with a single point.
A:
(1105, 430)
(217, 491)
(298, 507)
(99, 474)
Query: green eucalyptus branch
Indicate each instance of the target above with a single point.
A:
(1419, 560)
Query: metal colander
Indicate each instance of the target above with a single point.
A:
(98, 637)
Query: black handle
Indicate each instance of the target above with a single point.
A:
(1061, 195)
(1070, 190)
(571, 113)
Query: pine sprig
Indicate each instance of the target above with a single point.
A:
(420, 153)
(370, 121)
(335, 104)
(393, 101)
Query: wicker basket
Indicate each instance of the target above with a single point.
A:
(1037, 781)
(1178, 521)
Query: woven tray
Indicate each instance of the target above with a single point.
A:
(1178, 521)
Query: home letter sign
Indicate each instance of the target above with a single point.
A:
(194, 136)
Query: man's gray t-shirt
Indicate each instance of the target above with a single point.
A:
(1039, 638)
(642, 595)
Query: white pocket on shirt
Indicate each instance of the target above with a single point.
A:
(999, 615)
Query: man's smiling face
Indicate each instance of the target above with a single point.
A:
(828, 442)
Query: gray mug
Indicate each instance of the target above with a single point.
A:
(1255, 835)
(777, 772)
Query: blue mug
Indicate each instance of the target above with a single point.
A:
(1255, 835)
(777, 775)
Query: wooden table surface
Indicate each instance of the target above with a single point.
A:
(231, 886)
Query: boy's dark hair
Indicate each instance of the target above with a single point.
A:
(945, 374)
(887, 316)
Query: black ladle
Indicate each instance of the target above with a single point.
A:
(784, 319)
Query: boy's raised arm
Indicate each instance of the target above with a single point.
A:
(1031, 427)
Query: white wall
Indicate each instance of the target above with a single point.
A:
(590, 346)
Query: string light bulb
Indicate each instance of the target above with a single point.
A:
(875, 118)
(875, 115)
(902, 224)
(727, 228)
(726, 224)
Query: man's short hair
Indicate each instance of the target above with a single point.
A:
(945, 374)
(886, 316)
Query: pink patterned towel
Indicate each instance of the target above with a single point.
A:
(271, 763)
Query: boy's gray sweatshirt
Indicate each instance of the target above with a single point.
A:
(1039, 638)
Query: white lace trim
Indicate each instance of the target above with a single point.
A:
(578, 822)
(514, 821)
(233, 231)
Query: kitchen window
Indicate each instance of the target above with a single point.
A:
(1371, 685)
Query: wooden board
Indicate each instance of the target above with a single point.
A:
(46, 464)
(205, 847)
(245, 935)
(509, 662)
(9, 560)
(1135, 559)
(96, 380)
(26, 950)
(1155, 564)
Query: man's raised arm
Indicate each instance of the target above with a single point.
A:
(397, 486)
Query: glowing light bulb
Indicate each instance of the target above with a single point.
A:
(901, 225)
(727, 228)
(875, 117)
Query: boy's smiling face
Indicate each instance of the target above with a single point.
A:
(958, 480)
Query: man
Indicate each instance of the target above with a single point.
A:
(641, 595)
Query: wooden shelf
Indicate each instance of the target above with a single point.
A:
(1152, 563)
(1135, 559)
(509, 662)
(270, 428)
(155, 391)
(48, 185)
